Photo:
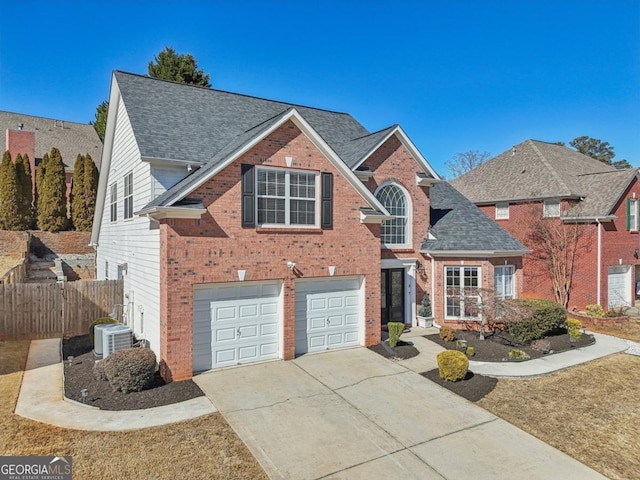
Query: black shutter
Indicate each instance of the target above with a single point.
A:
(326, 214)
(248, 196)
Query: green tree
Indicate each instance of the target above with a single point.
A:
(76, 199)
(594, 148)
(9, 213)
(40, 169)
(52, 200)
(90, 184)
(100, 122)
(24, 191)
(181, 68)
(621, 164)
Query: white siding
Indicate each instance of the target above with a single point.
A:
(135, 241)
(165, 177)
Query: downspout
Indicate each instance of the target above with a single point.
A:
(599, 261)
(433, 289)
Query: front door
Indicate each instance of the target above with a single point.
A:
(392, 295)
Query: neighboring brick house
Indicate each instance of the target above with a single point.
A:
(247, 229)
(550, 180)
(36, 136)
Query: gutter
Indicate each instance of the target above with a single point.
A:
(433, 290)
(599, 263)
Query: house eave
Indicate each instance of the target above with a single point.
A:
(528, 199)
(364, 176)
(426, 181)
(376, 219)
(475, 253)
(159, 213)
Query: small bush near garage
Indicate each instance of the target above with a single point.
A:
(131, 369)
(395, 330)
(99, 321)
(594, 310)
(452, 365)
(548, 318)
(447, 334)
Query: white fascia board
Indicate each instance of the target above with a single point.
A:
(313, 136)
(475, 253)
(105, 161)
(408, 144)
(158, 213)
(426, 182)
(364, 176)
(379, 219)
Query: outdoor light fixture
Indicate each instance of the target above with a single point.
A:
(85, 393)
(70, 359)
(635, 253)
(291, 265)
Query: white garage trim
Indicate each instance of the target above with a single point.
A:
(329, 313)
(236, 323)
(619, 286)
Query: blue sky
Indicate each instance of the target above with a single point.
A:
(457, 75)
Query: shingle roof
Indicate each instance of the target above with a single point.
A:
(458, 225)
(69, 137)
(534, 170)
(183, 122)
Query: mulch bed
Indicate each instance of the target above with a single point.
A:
(495, 348)
(473, 387)
(402, 351)
(79, 375)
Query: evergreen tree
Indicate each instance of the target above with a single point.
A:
(52, 201)
(9, 214)
(25, 191)
(40, 169)
(100, 123)
(76, 199)
(181, 68)
(90, 184)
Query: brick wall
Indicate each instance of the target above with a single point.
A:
(14, 244)
(215, 247)
(617, 246)
(22, 142)
(393, 163)
(61, 243)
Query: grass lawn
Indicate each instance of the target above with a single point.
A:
(590, 412)
(206, 447)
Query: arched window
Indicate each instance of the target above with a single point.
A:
(394, 199)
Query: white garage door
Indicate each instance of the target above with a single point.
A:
(328, 313)
(619, 286)
(235, 323)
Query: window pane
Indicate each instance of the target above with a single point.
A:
(302, 212)
(302, 185)
(551, 208)
(393, 199)
(271, 210)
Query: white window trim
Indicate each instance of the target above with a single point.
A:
(409, 216)
(633, 225)
(545, 208)
(113, 201)
(461, 317)
(501, 208)
(125, 197)
(317, 200)
(513, 280)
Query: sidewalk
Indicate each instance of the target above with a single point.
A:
(41, 399)
(605, 345)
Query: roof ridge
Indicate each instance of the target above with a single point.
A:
(375, 133)
(45, 118)
(209, 89)
(547, 164)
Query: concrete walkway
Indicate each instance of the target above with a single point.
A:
(605, 345)
(353, 414)
(41, 399)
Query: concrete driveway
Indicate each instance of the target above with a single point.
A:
(352, 414)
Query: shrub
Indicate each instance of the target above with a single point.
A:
(614, 312)
(541, 345)
(547, 316)
(98, 371)
(99, 321)
(517, 354)
(573, 328)
(461, 345)
(131, 369)
(447, 334)
(425, 306)
(452, 365)
(471, 351)
(395, 330)
(594, 310)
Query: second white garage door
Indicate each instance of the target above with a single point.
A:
(328, 313)
(235, 323)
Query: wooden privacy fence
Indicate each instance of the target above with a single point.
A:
(30, 311)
